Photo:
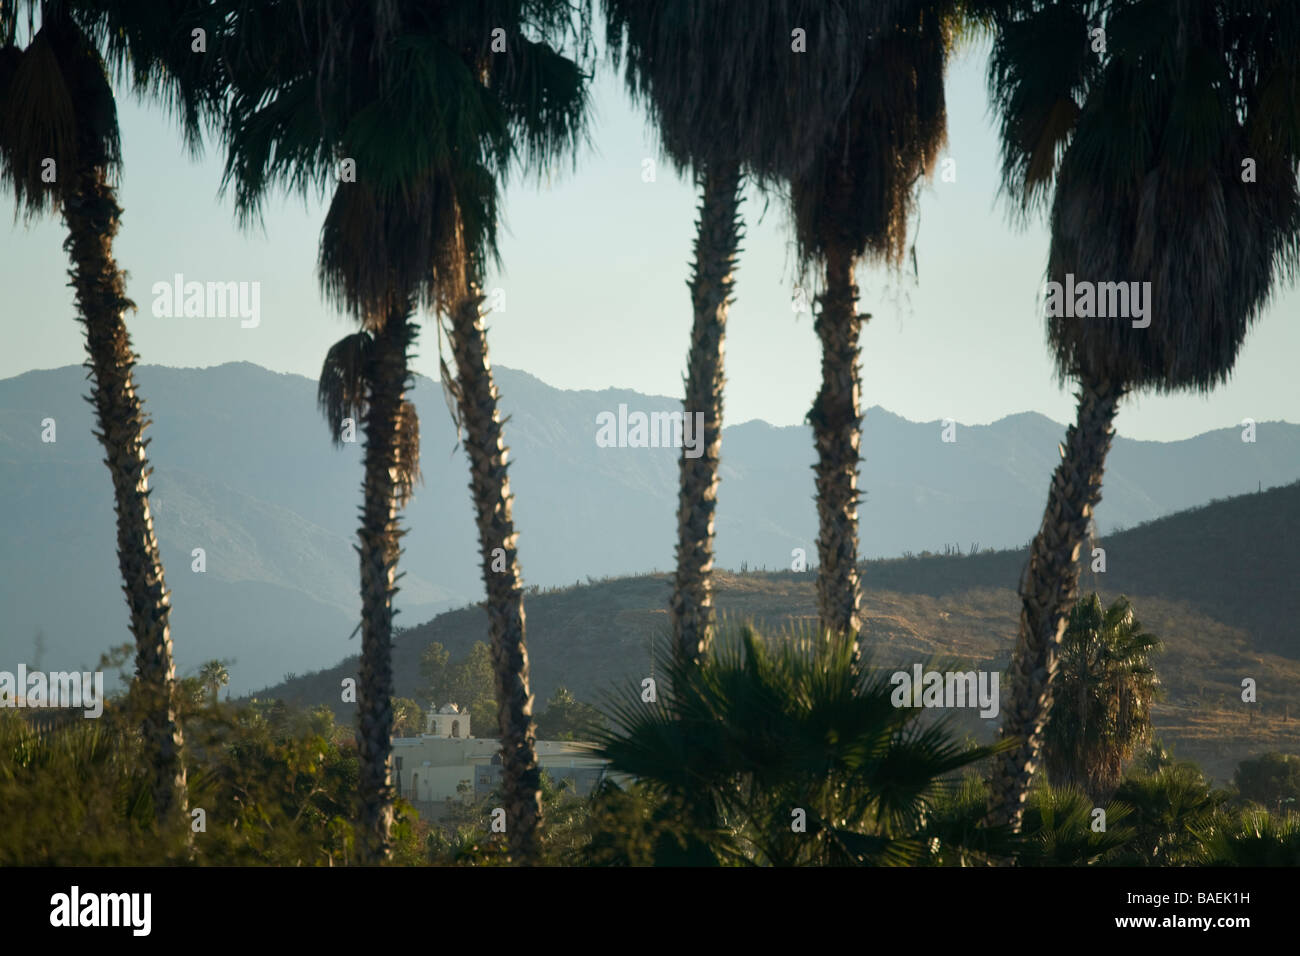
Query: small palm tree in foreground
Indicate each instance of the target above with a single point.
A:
(786, 754)
(1175, 816)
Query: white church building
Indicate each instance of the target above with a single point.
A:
(447, 764)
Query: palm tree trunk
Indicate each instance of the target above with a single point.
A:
(92, 216)
(1048, 592)
(477, 399)
(380, 537)
(836, 418)
(716, 245)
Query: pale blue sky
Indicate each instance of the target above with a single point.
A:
(595, 266)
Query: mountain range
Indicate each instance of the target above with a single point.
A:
(1215, 584)
(245, 471)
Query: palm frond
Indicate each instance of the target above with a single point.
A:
(1144, 141)
(722, 84)
(344, 382)
(1038, 73)
(408, 453)
(544, 96)
(38, 121)
(151, 46)
(858, 193)
(1058, 829)
(765, 727)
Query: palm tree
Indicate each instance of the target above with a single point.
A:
(408, 717)
(1174, 815)
(535, 100)
(1183, 129)
(1058, 829)
(853, 203)
(213, 675)
(364, 378)
(1258, 839)
(786, 753)
(1104, 689)
(732, 95)
(432, 114)
(1271, 780)
(59, 149)
(386, 244)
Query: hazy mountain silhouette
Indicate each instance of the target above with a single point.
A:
(1214, 583)
(245, 471)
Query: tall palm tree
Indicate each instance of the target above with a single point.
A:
(534, 100)
(365, 377)
(853, 203)
(1146, 143)
(433, 112)
(59, 149)
(1104, 689)
(732, 93)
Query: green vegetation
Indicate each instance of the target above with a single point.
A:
(567, 718)
(1102, 697)
(408, 717)
(466, 682)
(275, 785)
(786, 753)
(737, 752)
(435, 107)
(61, 151)
(721, 760)
(214, 675)
(1219, 612)
(1271, 780)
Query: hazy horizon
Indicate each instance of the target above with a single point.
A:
(1120, 430)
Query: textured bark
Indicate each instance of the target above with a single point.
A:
(716, 245)
(477, 399)
(380, 537)
(1048, 591)
(836, 418)
(92, 215)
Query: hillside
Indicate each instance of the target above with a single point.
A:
(245, 470)
(1214, 583)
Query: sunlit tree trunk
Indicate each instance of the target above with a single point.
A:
(836, 418)
(478, 402)
(1048, 591)
(92, 214)
(380, 537)
(716, 245)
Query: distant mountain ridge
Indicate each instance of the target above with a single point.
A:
(244, 470)
(1216, 584)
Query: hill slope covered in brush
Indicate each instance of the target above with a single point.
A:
(1216, 584)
